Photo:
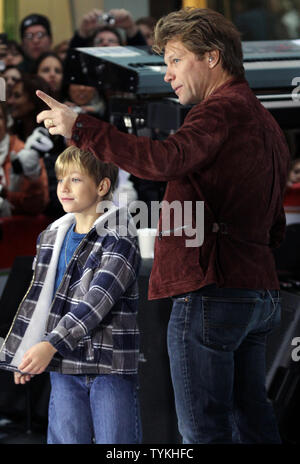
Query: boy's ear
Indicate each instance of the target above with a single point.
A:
(104, 187)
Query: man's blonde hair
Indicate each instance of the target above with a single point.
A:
(88, 164)
(202, 30)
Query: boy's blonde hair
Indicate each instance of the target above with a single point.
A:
(88, 164)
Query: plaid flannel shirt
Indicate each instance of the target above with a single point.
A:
(92, 318)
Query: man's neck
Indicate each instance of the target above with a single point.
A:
(222, 78)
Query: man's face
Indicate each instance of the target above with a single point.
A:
(106, 39)
(36, 41)
(188, 75)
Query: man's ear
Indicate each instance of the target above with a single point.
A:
(213, 58)
(104, 187)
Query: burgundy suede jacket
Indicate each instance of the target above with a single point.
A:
(229, 153)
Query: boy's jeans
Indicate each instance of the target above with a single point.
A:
(216, 344)
(93, 408)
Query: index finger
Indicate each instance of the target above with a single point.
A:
(51, 102)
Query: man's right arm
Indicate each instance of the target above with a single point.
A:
(191, 148)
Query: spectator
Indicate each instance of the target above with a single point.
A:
(107, 36)
(23, 178)
(61, 49)
(12, 75)
(35, 31)
(292, 194)
(90, 23)
(93, 32)
(14, 55)
(90, 34)
(24, 107)
(85, 99)
(146, 26)
(50, 67)
(291, 19)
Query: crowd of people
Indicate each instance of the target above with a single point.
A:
(27, 177)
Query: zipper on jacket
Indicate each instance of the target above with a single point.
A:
(24, 297)
(63, 277)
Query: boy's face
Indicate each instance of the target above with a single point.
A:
(78, 192)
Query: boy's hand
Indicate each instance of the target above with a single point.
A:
(21, 378)
(37, 358)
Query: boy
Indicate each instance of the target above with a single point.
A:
(78, 318)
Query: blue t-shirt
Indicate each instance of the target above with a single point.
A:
(69, 245)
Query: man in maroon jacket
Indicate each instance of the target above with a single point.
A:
(231, 155)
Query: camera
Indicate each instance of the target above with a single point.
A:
(107, 18)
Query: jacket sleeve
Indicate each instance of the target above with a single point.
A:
(116, 273)
(193, 146)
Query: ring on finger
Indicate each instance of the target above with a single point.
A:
(49, 123)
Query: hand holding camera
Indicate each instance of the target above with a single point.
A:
(119, 18)
(124, 20)
(89, 23)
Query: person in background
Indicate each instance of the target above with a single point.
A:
(122, 19)
(24, 106)
(107, 36)
(94, 32)
(61, 49)
(50, 67)
(292, 193)
(146, 25)
(85, 293)
(14, 55)
(23, 178)
(12, 75)
(84, 99)
(230, 160)
(36, 35)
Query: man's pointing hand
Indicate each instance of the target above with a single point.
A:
(59, 119)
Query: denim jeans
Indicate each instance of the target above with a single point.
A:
(85, 409)
(216, 345)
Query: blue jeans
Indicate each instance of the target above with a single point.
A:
(216, 345)
(93, 408)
